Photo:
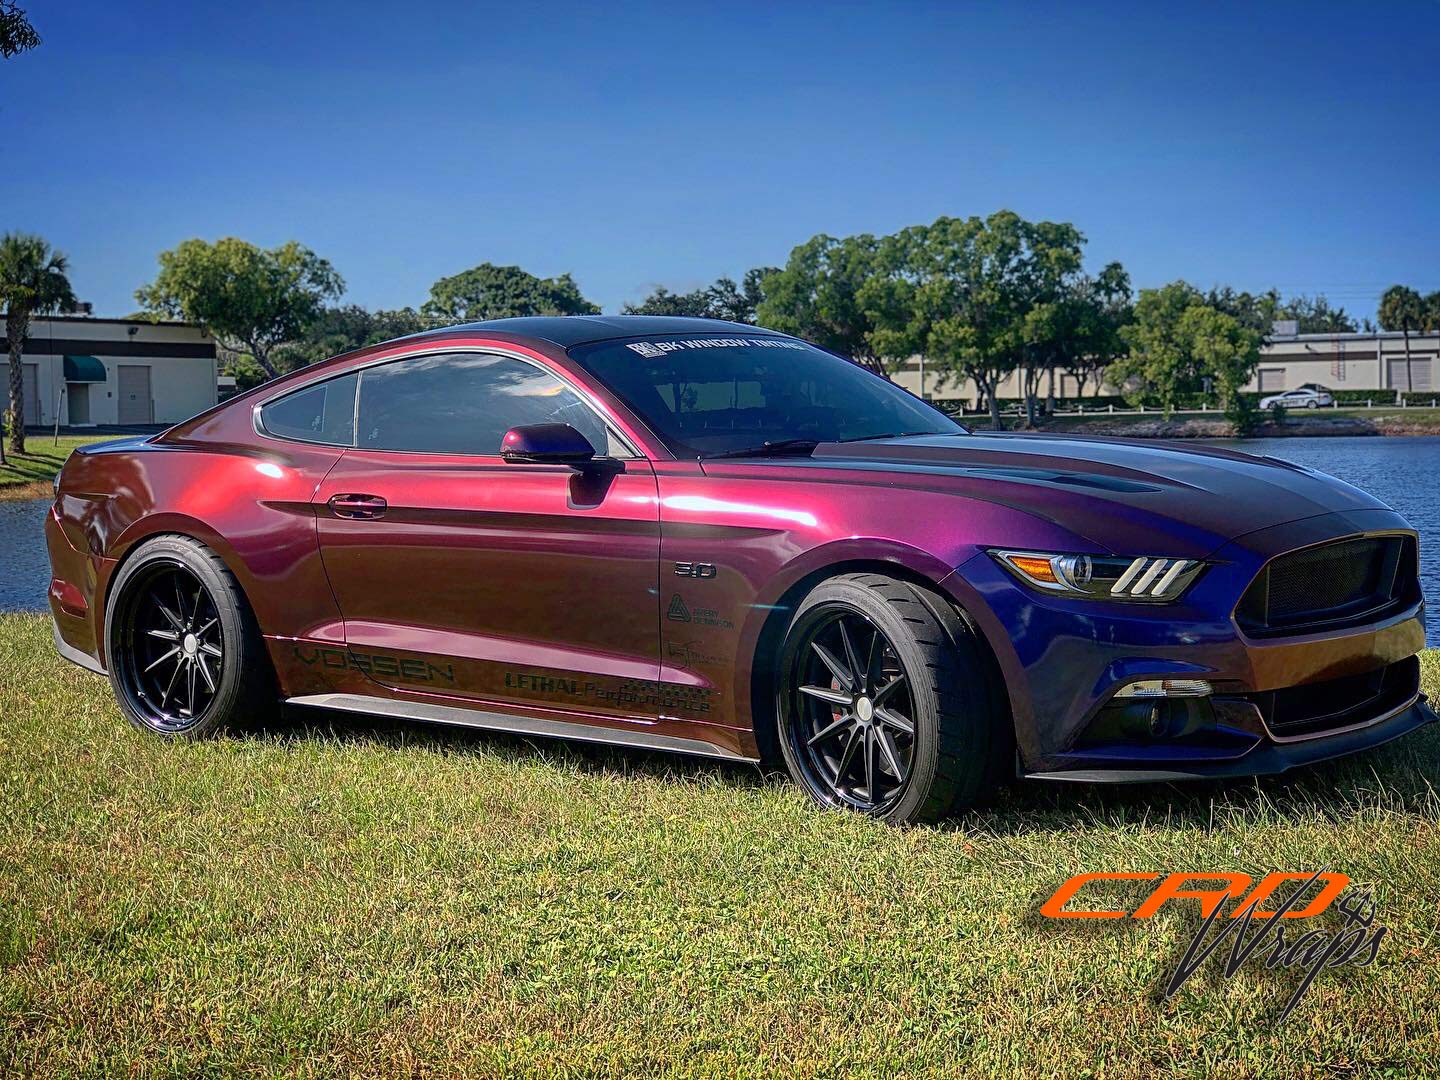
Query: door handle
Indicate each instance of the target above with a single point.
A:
(357, 506)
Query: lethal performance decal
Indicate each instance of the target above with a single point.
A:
(660, 348)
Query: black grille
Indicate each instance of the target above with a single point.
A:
(1315, 708)
(1344, 583)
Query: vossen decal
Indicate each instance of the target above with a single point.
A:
(635, 693)
(408, 668)
(660, 348)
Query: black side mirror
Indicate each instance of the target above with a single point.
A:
(546, 444)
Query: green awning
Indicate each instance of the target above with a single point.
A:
(84, 369)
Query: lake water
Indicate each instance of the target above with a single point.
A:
(1403, 472)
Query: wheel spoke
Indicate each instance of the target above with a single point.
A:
(201, 632)
(874, 660)
(889, 688)
(890, 718)
(891, 752)
(210, 650)
(190, 693)
(836, 667)
(170, 616)
(824, 693)
(847, 755)
(173, 652)
(205, 672)
(164, 697)
(830, 729)
(870, 765)
(165, 635)
(858, 673)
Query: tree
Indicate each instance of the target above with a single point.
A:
(723, 300)
(1052, 311)
(816, 296)
(1432, 313)
(1402, 309)
(1103, 307)
(1314, 315)
(1225, 351)
(32, 282)
(1160, 364)
(959, 291)
(16, 33)
(343, 329)
(251, 299)
(502, 292)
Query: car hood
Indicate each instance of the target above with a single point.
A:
(1128, 496)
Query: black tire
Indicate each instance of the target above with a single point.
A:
(206, 642)
(1312, 405)
(960, 745)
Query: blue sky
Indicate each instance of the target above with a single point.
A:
(1295, 145)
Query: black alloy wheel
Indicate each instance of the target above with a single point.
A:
(886, 702)
(184, 654)
(853, 711)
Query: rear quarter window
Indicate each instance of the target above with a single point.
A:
(323, 413)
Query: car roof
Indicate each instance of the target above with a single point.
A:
(568, 330)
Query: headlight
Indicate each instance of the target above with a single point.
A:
(1098, 577)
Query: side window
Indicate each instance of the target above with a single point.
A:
(463, 403)
(324, 413)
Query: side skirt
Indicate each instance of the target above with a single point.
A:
(516, 725)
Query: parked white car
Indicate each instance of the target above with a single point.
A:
(1307, 397)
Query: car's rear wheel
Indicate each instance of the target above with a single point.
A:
(185, 657)
(885, 704)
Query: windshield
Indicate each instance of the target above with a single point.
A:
(708, 394)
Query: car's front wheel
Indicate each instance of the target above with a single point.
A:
(885, 703)
(1312, 404)
(185, 656)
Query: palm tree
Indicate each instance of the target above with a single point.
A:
(32, 281)
(1402, 309)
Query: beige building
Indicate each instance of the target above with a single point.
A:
(1339, 361)
(89, 372)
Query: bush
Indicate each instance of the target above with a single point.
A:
(1244, 415)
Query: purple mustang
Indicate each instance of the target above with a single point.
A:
(716, 539)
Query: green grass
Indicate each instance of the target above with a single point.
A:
(32, 472)
(397, 900)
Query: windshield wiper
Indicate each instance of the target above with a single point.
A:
(892, 435)
(768, 449)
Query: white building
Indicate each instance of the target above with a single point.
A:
(91, 371)
(1373, 361)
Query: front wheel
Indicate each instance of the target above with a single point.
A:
(1312, 405)
(185, 656)
(885, 703)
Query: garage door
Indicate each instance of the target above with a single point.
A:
(32, 391)
(1417, 377)
(1272, 380)
(133, 383)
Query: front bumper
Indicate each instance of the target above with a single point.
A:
(1266, 759)
(1063, 659)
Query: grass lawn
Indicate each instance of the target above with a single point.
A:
(30, 475)
(400, 900)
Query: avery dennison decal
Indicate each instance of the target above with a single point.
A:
(641, 693)
(660, 348)
(380, 665)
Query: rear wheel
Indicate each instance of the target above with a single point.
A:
(886, 705)
(185, 657)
